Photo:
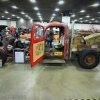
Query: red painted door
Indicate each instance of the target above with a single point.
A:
(37, 44)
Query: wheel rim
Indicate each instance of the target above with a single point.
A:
(90, 59)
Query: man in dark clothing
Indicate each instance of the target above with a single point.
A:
(51, 37)
(16, 34)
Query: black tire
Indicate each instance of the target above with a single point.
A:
(86, 64)
(1, 44)
(85, 49)
(3, 56)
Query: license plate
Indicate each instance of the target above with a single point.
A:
(58, 53)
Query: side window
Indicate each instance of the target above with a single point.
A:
(38, 32)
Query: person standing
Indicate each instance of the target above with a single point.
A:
(50, 37)
(16, 34)
(12, 31)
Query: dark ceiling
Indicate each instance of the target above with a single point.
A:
(47, 9)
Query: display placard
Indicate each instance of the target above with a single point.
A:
(19, 56)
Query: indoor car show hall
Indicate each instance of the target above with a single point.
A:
(49, 50)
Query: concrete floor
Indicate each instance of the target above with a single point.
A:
(49, 82)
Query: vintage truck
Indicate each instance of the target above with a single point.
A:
(86, 50)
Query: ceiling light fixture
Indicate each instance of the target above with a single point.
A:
(52, 17)
(40, 18)
(87, 16)
(86, 20)
(96, 21)
(22, 13)
(29, 17)
(13, 15)
(81, 18)
(90, 22)
(95, 5)
(17, 17)
(61, 2)
(38, 14)
(92, 19)
(73, 15)
(36, 8)
(2, 16)
(53, 14)
(8, 18)
(14, 7)
(33, 1)
(82, 11)
(57, 9)
(26, 15)
(6, 12)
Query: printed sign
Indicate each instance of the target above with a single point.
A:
(38, 50)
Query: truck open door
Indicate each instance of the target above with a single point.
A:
(37, 44)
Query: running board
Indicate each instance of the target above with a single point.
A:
(53, 61)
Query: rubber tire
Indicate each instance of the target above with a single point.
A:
(84, 54)
(3, 56)
(85, 49)
(1, 44)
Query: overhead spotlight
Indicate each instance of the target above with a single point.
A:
(29, 17)
(57, 9)
(36, 8)
(33, 1)
(61, 2)
(54, 14)
(14, 7)
(40, 18)
(73, 15)
(17, 17)
(96, 21)
(38, 14)
(2, 16)
(22, 13)
(52, 17)
(92, 19)
(86, 20)
(8, 18)
(26, 15)
(82, 11)
(87, 16)
(13, 15)
(95, 5)
(6, 12)
(81, 18)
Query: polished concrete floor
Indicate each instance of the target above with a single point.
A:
(49, 82)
